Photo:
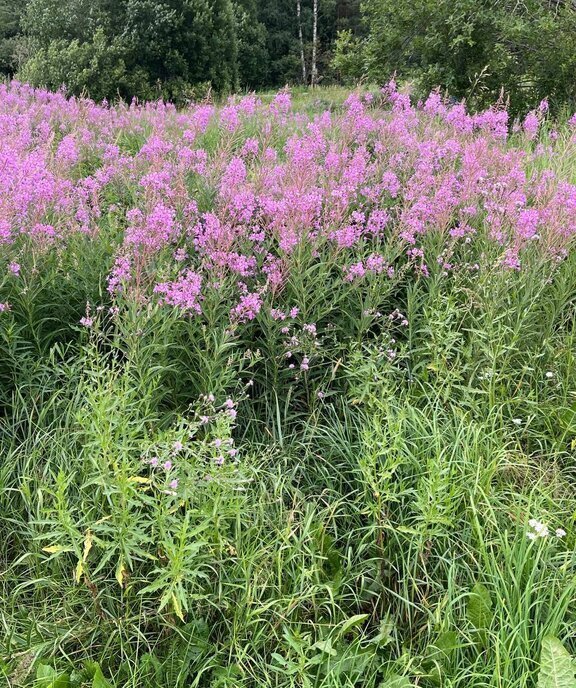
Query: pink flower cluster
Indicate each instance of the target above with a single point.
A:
(185, 216)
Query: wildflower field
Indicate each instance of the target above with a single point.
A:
(287, 393)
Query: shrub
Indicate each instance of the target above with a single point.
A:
(473, 50)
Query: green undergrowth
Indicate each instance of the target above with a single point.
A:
(373, 535)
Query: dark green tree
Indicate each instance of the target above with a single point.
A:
(10, 34)
(253, 54)
(154, 48)
(472, 48)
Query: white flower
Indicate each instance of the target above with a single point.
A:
(539, 529)
(517, 421)
(560, 532)
(549, 374)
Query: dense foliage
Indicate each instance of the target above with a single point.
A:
(133, 47)
(287, 394)
(181, 50)
(473, 49)
(174, 49)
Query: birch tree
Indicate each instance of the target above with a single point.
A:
(314, 67)
(301, 39)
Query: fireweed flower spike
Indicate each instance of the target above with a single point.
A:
(404, 172)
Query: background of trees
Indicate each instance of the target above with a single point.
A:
(472, 48)
(167, 48)
(177, 49)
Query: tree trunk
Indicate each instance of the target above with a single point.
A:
(300, 36)
(314, 69)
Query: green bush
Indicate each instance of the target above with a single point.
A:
(472, 49)
(142, 48)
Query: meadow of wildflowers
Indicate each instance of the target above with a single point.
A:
(287, 392)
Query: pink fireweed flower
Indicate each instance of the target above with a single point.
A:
(14, 268)
(511, 259)
(184, 293)
(174, 484)
(250, 147)
(120, 275)
(167, 465)
(530, 125)
(248, 308)
(86, 321)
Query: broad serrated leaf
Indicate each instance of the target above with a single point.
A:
(352, 622)
(479, 607)
(325, 646)
(48, 677)
(121, 573)
(447, 642)
(556, 665)
(98, 681)
(177, 607)
(57, 549)
(397, 681)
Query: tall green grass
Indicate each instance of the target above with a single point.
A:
(380, 531)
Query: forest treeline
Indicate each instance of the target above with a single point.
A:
(174, 49)
(181, 49)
